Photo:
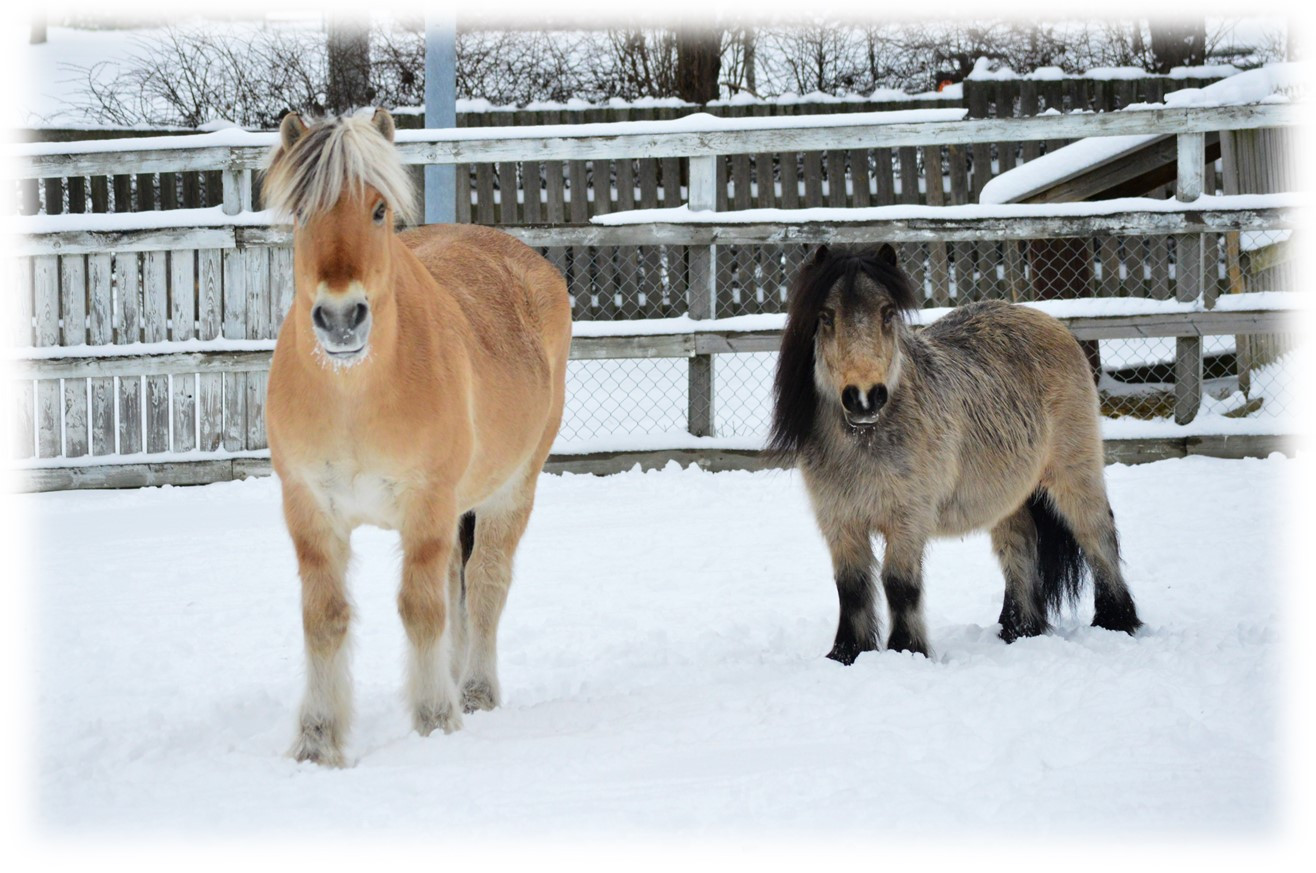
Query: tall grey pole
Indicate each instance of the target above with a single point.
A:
(440, 110)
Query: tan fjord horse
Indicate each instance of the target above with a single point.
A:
(417, 385)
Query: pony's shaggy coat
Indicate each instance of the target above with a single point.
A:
(987, 418)
(436, 425)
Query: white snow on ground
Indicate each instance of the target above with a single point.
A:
(662, 664)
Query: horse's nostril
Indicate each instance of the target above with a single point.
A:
(850, 399)
(359, 315)
(877, 397)
(318, 318)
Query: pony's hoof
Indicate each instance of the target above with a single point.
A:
(1128, 624)
(428, 719)
(312, 745)
(846, 653)
(477, 696)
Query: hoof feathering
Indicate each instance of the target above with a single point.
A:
(315, 744)
(428, 719)
(478, 696)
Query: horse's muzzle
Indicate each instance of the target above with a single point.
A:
(861, 407)
(342, 327)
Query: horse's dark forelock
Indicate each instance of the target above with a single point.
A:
(795, 396)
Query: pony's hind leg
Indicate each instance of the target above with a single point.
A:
(1023, 611)
(499, 525)
(427, 553)
(1080, 498)
(851, 547)
(323, 551)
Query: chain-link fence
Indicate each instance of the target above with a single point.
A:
(1243, 376)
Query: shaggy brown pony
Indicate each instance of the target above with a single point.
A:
(987, 418)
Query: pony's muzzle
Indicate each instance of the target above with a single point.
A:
(342, 326)
(862, 407)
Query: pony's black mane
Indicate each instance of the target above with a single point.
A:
(795, 395)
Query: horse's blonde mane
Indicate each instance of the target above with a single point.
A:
(333, 156)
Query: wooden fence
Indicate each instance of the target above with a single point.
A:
(143, 352)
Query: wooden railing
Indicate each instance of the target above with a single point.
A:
(97, 407)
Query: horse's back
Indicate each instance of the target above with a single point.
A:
(474, 261)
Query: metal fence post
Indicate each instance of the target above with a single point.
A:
(702, 298)
(1191, 171)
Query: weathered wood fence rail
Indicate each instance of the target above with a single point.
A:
(95, 407)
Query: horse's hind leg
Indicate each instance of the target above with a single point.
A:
(851, 547)
(1023, 611)
(323, 551)
(499, 525)
(457, 594)
(1079, 495)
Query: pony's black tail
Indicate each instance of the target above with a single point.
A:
(1060, 561)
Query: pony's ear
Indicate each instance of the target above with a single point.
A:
(887, 255)
(820, 254)
(383, 122)
(291, 129)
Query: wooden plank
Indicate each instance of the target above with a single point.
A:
(508, 213)
(938, 260)
(837, 196)
(463, 193)
(484, 194)
(581, 277)
(1029, 103)
(73, 332)
(603, 271)
(182, 388)
(883, 173)
(627, 282)
(155, 329)
(862, 194)
(210, 386)
(128, 329)
(909, 192)
(100, 332)
(235, 327)
(813, 181)
(21, 332)
(256, 266)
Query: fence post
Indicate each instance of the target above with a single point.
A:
(702, 296)
(1191, 171)
(237, 190)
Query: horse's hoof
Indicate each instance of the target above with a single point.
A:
(1127, 623)
(311, 746)
(903, 642)
(428, 719)
(845, 653)
(479, 696)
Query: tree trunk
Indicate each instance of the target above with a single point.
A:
(349, 64)
(698, 64)
(1179, 43)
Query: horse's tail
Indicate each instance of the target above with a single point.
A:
(466, 538)
(1060, 561)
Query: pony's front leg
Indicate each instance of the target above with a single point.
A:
(851, 547)
(323, 550)
(902, 580)
(427, 551)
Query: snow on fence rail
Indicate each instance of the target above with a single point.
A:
(96, 406)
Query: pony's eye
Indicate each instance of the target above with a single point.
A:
(887, 315)
(380, 212)
(826, 318)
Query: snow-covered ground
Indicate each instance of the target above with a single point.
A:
(663, 672)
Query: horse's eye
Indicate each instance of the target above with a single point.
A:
(380, 211)
(887, 315)
(826, 318)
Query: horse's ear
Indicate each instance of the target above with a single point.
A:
(291, 129)
(820, 254)
(887, 255)
(383, 122)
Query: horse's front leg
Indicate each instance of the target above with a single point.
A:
(323, 550)
(902, 580)
(428, 542)
(851, 547)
